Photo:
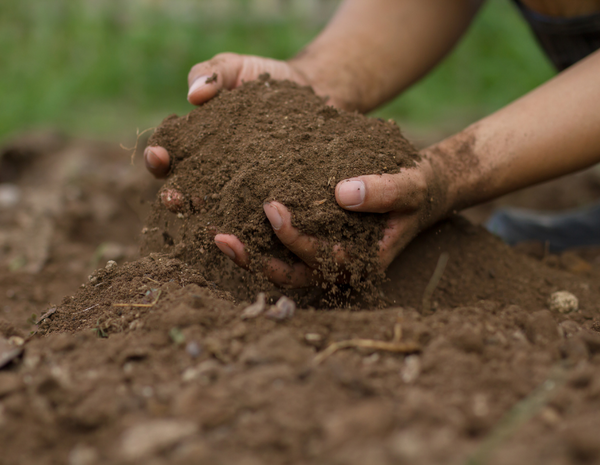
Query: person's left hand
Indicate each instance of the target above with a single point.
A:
(407, 198)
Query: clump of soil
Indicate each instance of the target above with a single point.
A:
(271, 140)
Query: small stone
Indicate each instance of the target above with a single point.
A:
(205, 372)
(282, 310)
(193, 349)
(563, 302)
(110, 265)
(10, 195)
(412, 369)
(16, 341)
(313, 338)
(257, 308)
(172, 200)
(144, 440)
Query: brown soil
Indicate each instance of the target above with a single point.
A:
(271, 140)
(150, 361)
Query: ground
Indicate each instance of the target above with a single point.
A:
(488, 373)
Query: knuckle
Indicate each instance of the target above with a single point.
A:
(389, 192)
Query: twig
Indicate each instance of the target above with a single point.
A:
(153, 280)
(434, 281)
(46, 315)
(394, 346)
(140, 305)
(86, 309)
(134, 148)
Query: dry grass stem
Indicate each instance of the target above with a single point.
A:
(133, 149)
(394, 346)
(140, 305)
(434, 281)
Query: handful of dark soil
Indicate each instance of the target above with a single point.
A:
(275, 140)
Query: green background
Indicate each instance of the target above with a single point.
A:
(104, 68)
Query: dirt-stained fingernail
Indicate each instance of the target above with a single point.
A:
(223, 247)
(273, 215)
(152, 160)
(351, 193)
(200, 82)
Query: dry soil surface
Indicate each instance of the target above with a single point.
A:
(152, 361)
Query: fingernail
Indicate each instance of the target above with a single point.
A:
(199, 82)
(223, 247)
(273, 215)
(152, 160)
(351, 193)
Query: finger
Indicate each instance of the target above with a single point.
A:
(234, 249)
(207, 78)
(276, 271)
(157, 161)
(291, 276)
(384, 193)
(400, 230)
(303, 246)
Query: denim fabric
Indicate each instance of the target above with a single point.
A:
(565, 40)
(575, 228)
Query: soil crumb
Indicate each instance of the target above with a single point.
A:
(274, 140)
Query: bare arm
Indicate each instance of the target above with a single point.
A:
(373, 50)
(552, 131)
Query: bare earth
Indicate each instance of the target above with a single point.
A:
(488, 374)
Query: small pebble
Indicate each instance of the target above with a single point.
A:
(193, 349)
(411, 369)
(563, 302)
(16, 341)
(257, 308)
(10, 195)
(172, 200)
(313, 338)
(110, 265)
(282, 310)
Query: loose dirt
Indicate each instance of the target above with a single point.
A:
(270, 140)
(150, 361)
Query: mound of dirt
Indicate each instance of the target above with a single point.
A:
(270, 140)
(152, 362)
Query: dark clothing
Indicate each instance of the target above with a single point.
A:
(565, 40)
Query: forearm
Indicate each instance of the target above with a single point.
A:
(373, 49)
(552, 131)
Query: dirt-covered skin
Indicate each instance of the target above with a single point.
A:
(150, 361)
(270, 140)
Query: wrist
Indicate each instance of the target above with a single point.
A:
(458, 171)
(341, 89)
(437, 202)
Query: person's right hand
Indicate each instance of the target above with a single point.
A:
(230, 70)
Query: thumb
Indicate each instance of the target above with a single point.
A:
(207, 78)
(384, 193)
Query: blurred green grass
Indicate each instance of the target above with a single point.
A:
(103, 67)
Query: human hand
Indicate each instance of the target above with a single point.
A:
(224, 71)
(412, 199)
